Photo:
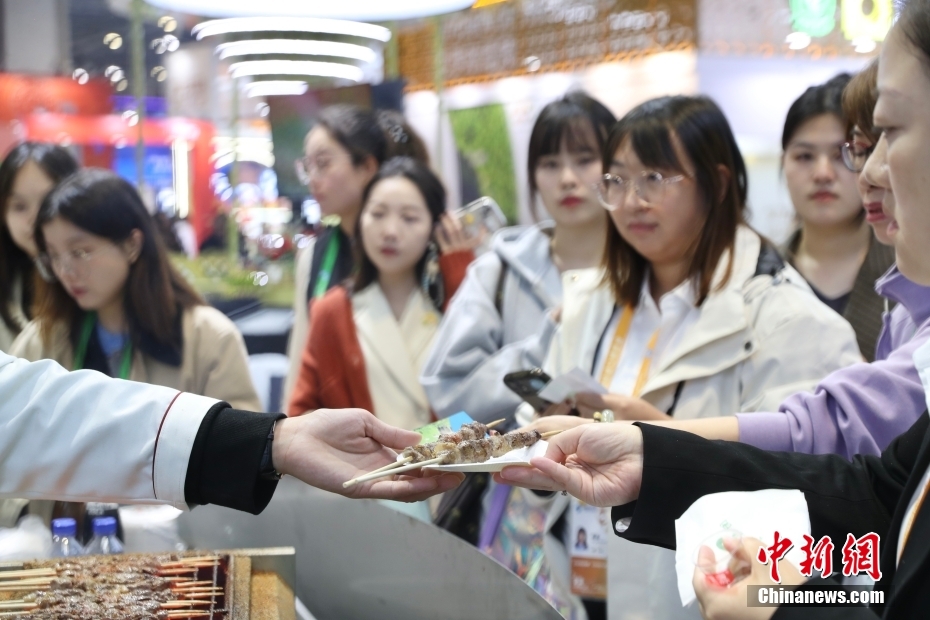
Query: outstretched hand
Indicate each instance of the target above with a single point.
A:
(330, 446)
(600, 464)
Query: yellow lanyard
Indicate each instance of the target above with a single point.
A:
(616, 350)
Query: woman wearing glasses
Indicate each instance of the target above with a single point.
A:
(696, 314)
(28, 172)
(115, 304)
(834, 247)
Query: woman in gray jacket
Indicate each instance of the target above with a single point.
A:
(499, 321)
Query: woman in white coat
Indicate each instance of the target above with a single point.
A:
(695, 313)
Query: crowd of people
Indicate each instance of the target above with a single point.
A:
(808, 359)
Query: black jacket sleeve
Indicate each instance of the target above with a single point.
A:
(226, 458)
(843, 497)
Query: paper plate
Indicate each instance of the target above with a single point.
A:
(514, 457)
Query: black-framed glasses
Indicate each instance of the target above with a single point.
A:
(855, 154)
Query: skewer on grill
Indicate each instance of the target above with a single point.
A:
(184, 604)
(472, 451)
(448, 440)
(32, 572)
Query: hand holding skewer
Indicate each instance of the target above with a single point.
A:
(330, 446)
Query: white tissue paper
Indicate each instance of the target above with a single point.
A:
(755, 514)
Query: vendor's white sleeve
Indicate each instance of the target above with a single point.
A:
(82, 436)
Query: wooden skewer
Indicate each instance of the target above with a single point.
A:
(189, 614)
(209, 595)
(11, 614)
(402, 462)
(191, 584)
(17, 605)
(391, 472)
(392, 466)
(35, 572)
(183, 604)
(178, 571)
(43, 586)
(183, 561)
(27, 582)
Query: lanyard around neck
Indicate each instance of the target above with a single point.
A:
(326, 269)
(87, 332)
(616, 350)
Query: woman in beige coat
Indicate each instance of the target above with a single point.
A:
(27, 174)
(115, 304)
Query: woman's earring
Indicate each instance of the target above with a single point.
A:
(432, 280)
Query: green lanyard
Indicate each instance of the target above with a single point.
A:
(329, 262)
(87, 330)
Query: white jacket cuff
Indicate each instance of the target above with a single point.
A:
(174, 444)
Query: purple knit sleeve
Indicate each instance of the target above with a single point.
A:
(855, 410)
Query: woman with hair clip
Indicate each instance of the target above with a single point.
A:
(115, 304)
(695, 313)
(342, 153)
(834, 247)
(28, 172)
(367, 342)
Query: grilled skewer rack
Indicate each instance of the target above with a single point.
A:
(241, 584)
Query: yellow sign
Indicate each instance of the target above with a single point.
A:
(856, 24)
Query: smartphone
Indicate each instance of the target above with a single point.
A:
(527, 384)
(481, 216)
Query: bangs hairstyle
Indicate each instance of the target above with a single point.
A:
(434, 194)
(914, 22)
(698, 127)
(576, 118)
(357, 131)
(103, 204)
(826, 98)
(859, 99)
(15, 265)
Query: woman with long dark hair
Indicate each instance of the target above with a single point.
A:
(342, 153)
(114, 303)
(28, 172)
(368, 341)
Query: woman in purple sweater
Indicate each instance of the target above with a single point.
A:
(858, 409)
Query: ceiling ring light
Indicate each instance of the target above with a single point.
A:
(295, 47)
(296, 67)
(362, 10)
(290, 24)
(276, 87)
